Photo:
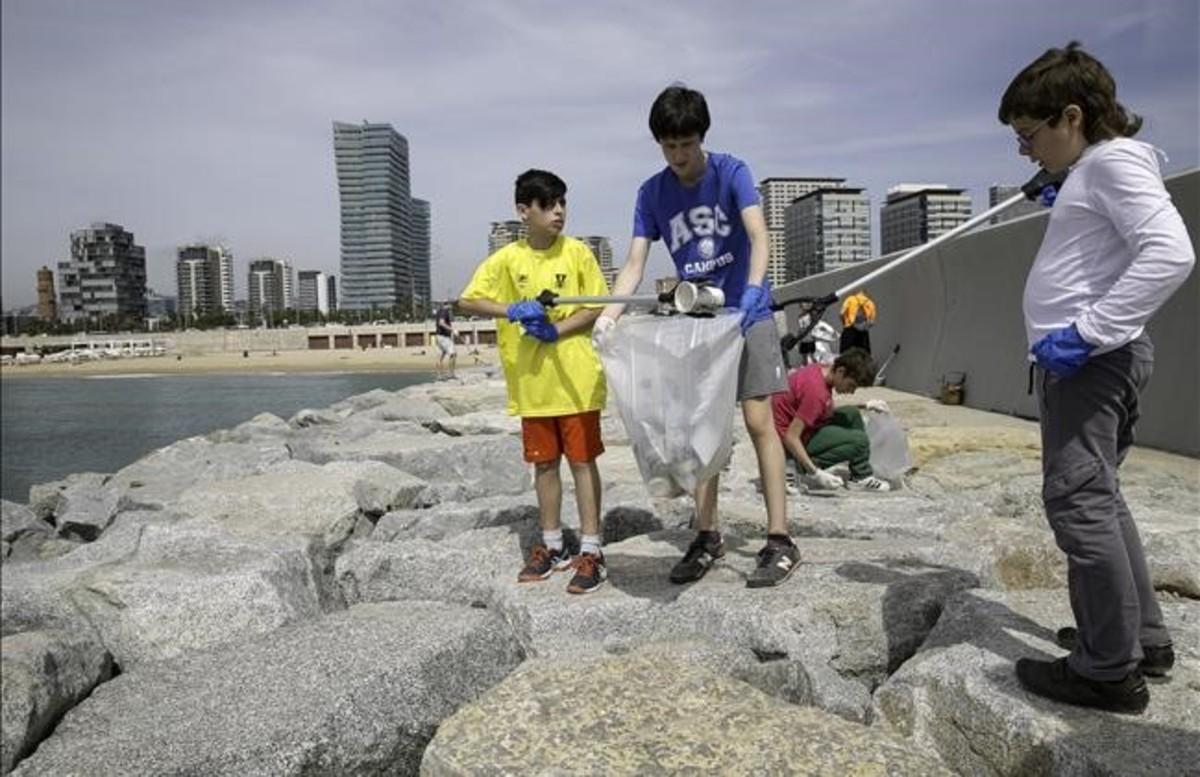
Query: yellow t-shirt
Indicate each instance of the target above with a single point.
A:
(544, 379)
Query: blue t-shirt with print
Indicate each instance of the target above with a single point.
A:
(702, 225)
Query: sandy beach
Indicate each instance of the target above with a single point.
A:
(370, 360)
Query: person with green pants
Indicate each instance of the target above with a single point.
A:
(817, 436)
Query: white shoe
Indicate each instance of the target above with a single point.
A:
(869, 483)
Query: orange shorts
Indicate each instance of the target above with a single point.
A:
(576, 436)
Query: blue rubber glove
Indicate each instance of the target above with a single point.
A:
(755, 306)
(1062, 351)
(526, 310)
(542, 329)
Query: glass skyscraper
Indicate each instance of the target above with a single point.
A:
(385, 233)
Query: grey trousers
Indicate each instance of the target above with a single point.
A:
(1087, 427)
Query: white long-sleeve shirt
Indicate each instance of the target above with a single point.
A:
(1115, 249)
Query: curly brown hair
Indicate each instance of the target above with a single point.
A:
(1066, 76)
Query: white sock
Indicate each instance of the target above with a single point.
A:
(590, 543)
(553, 539)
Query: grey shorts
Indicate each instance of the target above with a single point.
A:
(761, 372)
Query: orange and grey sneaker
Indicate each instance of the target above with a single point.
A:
(590, 573)
(543, 562)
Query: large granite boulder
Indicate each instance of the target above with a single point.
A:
(81, 505)
(487, 422)
(451, 518)
(1174, 561)
(296, 497)
(493, 464)
(45, 674)
(264, 427)
(45, 499)
(852, 613)
(959, 696)
(153, 590)
(25, 536)
(652, 713)
(359, 692)
(156, 480)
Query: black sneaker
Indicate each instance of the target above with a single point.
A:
(1056, 680)
(776, 562)
(543, 562)
(1156, 661)
(590, 574)
(700, 556)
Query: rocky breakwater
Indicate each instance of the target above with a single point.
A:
(335, 594)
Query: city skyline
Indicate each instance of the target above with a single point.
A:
(220, 129)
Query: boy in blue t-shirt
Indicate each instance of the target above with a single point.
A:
(705, 208)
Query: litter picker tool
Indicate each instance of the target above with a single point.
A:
(687, 297)
(813, 308)
(881, 376)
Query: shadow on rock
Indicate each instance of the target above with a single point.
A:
(913, 600)
(648, 576)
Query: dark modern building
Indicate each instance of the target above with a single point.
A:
(827, 228)
(917, 213)
(385, 232)
(105, 280)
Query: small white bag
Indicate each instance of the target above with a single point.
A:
(674, 382)
(890, 457)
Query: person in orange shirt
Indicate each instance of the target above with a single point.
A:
(858, 316)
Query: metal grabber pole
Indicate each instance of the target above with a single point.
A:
(1030, 190)
(686, 297)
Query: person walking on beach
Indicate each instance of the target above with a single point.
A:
(554, 378)
(445, 340)
(1114, 251)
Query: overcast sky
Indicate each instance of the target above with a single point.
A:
(213, 120)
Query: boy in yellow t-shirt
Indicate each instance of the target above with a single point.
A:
(555, 381)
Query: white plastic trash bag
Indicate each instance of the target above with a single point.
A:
(674, 382)
(890, 458)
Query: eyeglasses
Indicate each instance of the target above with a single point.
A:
(1025, 139)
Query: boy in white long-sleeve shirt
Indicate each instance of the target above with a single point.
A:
(1114, 251)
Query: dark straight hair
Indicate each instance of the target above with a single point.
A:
(540, 186)
(678, 112)
(1064, 76)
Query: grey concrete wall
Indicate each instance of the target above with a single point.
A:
(958, 308)
(237, 340)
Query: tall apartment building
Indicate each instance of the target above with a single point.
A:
(504, 232)
(384, 263)
(105, 278)
(826, 229)
(331, 285)
(422, 251)
(312, 291)
(204, 280)
(916, 213)
(47, 303)
(602, 248)
(998, 193)
(777, 194)
(271, 286)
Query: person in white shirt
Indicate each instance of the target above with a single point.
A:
(1114, 251)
